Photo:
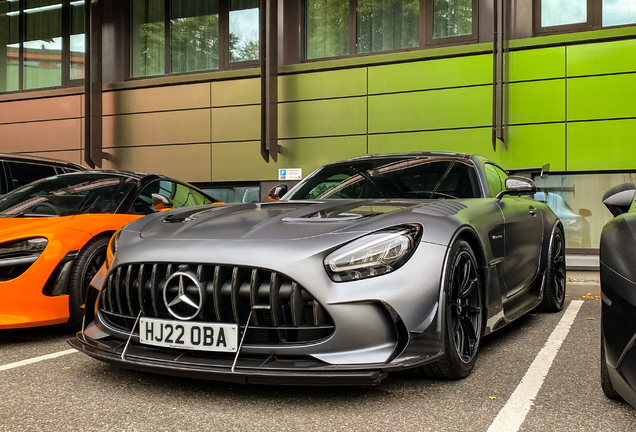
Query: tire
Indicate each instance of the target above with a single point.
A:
(463, 316)
(606, 382)
(555, 276)
(86, 265)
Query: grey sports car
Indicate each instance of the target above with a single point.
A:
(367, 266)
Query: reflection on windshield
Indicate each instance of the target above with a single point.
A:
(67, 195)
(402, 178)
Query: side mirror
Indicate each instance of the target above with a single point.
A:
(619, 199)
(277, 192)
(545, 171)
(161, 203)
(516, 185)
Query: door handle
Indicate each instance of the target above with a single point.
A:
(533, 211)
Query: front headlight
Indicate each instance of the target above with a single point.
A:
(16, 257)
(375, 254)
(21, 248)
(111, 250)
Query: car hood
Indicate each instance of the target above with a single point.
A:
(279, 221)
(13, 226)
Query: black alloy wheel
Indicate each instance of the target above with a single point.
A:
(86, 265)
(464, 316)
(554, 289)
(465, 307)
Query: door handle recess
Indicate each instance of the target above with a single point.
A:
(533, 211)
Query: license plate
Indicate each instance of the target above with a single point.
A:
(188, 335)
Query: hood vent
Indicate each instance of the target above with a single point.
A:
(441, 208)
(284, 205)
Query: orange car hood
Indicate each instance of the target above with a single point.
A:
(9, 227)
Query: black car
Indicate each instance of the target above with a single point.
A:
(17, 170)
(618, 291)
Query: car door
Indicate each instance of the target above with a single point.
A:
(523, 236)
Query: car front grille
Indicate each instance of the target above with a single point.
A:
(283, 312)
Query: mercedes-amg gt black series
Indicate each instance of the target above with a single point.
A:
(618, 293)
(369, 265)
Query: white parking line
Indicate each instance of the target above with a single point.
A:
(36, 359)
(516, 409)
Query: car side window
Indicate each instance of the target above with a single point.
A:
(180, 195)
(502, 175)
(495, 183)
(25, 173)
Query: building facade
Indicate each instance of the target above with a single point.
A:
(180, 88)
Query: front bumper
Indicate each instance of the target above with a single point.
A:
(249, 369)
(385, 323)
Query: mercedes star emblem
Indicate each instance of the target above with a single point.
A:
(181, 304)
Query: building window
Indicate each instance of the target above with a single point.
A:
(452, 18)
(335, 28)
(553, 16)
(327, 28)
(178, 36)
(42, 43)
(386, 25)
(619, 12)
(244, 32)
(563, 12)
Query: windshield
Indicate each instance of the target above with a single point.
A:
(414, 178)
(67, 195)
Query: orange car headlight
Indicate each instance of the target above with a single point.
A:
(17, 256)
(111, 251)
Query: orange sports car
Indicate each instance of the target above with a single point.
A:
(54, 233)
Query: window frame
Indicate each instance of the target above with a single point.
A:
(224, 45)
(425, 39)
(65, 59)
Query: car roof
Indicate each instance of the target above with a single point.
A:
(410, 155)
(134, 175)
(21, 157)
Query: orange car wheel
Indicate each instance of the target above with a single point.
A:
(87, 263)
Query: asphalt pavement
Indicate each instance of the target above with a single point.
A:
(76, 393)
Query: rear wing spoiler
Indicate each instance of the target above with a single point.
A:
(542, 172)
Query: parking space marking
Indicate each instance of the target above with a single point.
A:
(36, 359)
(516, 409)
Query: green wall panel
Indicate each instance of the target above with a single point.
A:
(424, 75)
(537, 64)
(458, 141)
(322, 118)
(323, 85)
(606, 145)
(537, 102)
(602, 58)
(604, 97)
(438, 109)
(307, 154)
(236, 92)
(236, 123)
(531, 146)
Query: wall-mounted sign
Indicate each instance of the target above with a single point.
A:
(290, 174)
